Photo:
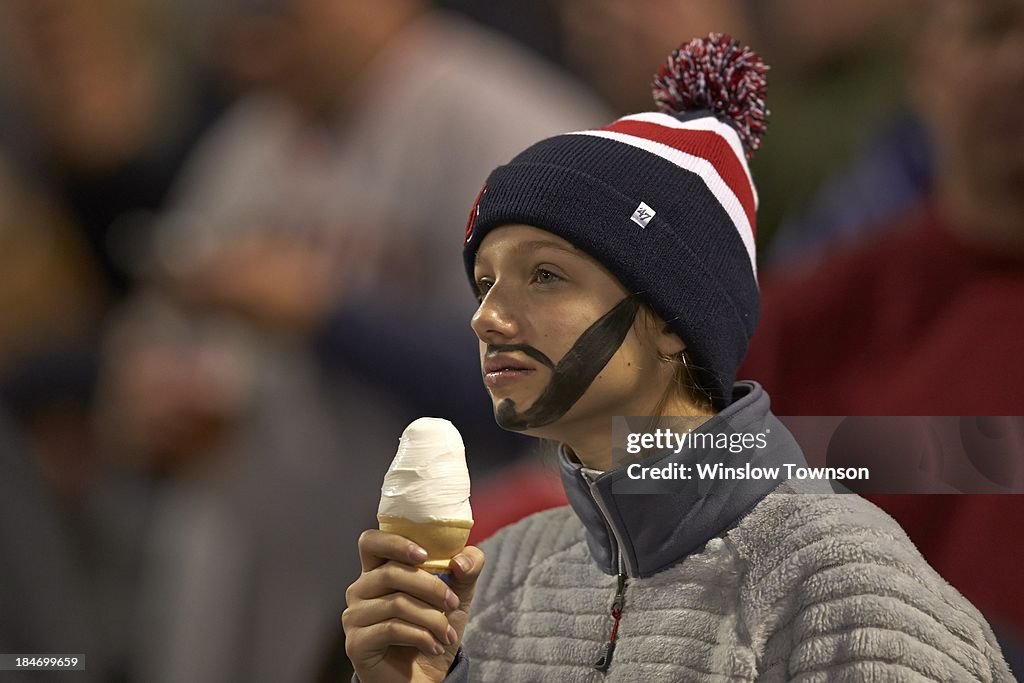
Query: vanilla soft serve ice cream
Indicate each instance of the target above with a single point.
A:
(428, 480)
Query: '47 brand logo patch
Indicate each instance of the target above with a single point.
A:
(643, 215)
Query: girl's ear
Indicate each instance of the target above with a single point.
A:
(665, 340)
(668, 342)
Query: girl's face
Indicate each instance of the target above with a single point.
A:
(562, 348)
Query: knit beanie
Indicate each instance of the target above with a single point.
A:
(664, 200)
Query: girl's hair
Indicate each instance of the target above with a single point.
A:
(685, 385)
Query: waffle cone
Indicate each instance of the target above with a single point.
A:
(442, 539)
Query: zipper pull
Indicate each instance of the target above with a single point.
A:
(620, 593)
(608, 650)
(605, 661)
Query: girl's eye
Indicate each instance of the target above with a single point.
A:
(545, 277)
(483, 285)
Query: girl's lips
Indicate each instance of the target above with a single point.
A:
(503, 361)
(504, 377)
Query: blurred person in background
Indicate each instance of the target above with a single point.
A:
(850, 155)
(64, 585)
(104, 101)
(44, 600)
(50, 295)
(925, 318)
(259, 475)
(99, 104)
(332, 184)
(301, 236)
(838, 87)
(617, 45)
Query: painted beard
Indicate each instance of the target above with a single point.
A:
(573, 375)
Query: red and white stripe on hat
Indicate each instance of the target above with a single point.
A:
(705, 146)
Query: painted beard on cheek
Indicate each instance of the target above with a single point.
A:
(573, 375)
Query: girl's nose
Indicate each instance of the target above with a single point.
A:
(495, 320)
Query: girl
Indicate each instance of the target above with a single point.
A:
(616, 276)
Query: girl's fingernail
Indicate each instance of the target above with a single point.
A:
(463, 563)
(417, 553)
(452, 636)
(451, 599)
(438, 649)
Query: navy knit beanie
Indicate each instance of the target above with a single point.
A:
(664, 200)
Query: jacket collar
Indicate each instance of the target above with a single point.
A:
(648, 532)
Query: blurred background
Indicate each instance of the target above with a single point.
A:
(230, 273)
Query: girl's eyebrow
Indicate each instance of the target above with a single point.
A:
(532, 245)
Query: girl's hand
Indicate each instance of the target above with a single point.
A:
(403, 623)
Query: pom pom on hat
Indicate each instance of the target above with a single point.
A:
(718, 74)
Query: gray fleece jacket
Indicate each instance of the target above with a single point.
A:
(769, 581)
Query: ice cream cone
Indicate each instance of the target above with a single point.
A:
(443, 539)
